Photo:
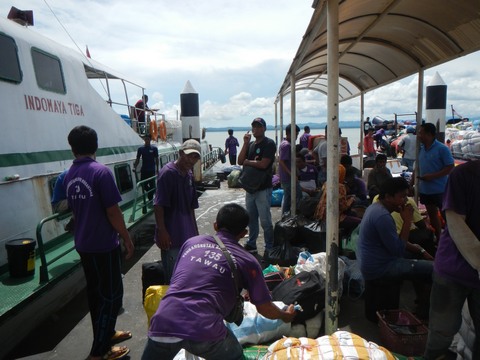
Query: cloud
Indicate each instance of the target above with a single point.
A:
(235, 54)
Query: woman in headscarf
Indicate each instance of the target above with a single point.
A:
(347, 221)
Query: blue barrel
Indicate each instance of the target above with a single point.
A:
(21, 257)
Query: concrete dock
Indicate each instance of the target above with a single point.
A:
(68, 335)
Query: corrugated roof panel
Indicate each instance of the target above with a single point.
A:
(381, 41)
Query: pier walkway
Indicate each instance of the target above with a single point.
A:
(68, 334)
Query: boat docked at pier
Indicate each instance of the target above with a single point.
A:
(46, 90)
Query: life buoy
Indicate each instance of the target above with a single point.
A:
(153, 131)
(162, 130)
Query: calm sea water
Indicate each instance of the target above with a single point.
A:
(217, 138)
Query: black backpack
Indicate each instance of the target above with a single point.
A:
(306, 289)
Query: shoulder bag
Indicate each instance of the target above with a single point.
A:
(236, 315)
(251, 179)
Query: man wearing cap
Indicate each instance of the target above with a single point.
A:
(259, 154)
(174, 204)
(408, 144)
(149, 155)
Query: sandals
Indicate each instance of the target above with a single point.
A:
(120, 336)
(116, 352)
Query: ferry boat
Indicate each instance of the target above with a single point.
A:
(46, 89)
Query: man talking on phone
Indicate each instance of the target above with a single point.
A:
(260, 155)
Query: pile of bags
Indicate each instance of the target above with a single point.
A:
(339, 345)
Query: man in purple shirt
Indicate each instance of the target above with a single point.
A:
(304, 137)
(93, 197)
(202, 293)
(285, 162)
(231, 147)
(456, 276)
(174, 204)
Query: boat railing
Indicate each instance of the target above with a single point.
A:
(212, 157)
(141, 199)
(41, 247)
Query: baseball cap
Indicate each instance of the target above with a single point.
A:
(410, 130)
(259, 121)
(191, 146)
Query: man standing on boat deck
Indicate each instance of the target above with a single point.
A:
(456, 275)
(93, 197)
(140, 108)
(149, 155)
(260, 155)
(435, 162)
(174, 204)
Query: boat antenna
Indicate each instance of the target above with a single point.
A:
(64, 28)
(71, 38)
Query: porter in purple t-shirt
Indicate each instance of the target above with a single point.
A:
(202, 290)
(91, 189)
(461, 194)
(176, 193)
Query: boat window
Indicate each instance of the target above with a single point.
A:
(48, 71)
(123, 176)
(9, 64)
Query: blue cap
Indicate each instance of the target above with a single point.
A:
(259, 121)
(410, 130)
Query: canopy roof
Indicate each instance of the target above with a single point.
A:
(381, 41)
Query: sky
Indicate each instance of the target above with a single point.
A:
(236, 55)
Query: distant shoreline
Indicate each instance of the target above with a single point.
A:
(316, 126)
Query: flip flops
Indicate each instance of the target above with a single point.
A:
(120, 336)
(116, 352)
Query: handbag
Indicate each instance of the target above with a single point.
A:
(236, 315)
(251, 179)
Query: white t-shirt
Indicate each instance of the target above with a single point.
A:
(409, 145)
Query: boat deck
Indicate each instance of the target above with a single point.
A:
(57, 279)
(74, 341)
(14, 291)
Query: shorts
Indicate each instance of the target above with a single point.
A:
(432, 199)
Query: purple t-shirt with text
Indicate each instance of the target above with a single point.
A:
(202, 290)
(176, 193)
(91, 189)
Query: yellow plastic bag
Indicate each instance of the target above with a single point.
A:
(153, 295)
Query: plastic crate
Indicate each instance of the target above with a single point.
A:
(402, 332)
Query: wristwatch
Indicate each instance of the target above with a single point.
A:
(422, 251)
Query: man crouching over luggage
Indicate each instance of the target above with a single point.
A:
(202, 294)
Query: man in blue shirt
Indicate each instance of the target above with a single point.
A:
(382, 252)
(435, 162)
(149, 155)
(59, 194)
